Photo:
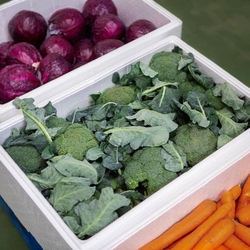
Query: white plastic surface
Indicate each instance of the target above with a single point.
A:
(226, 167)
(129, 11)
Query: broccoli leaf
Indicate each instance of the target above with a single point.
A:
(228, 95)
(174, 161)
(222, 140)
(138, 136)
(147, 71)
(99, 213)
(69, 166)
(94, 153)
(202, 79)
(153, 118)
(35, 118)
(163, 101)
(243, 114)
(228, 125)
(194, 115)
(48, 178)
(65, 195)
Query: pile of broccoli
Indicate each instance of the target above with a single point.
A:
(155, 123)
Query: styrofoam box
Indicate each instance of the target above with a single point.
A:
(224, 168)
(129, 11)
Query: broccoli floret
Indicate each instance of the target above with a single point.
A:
(214, 101)
(165, 63)
(196, 142)
(26, 157)
(54, 121)
(187, 86)
(146, 168)
(119, 94)
(76, 141)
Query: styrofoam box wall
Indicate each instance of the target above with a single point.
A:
(129, 11)
(221, 170)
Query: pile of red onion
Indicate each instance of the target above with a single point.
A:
(43, 50)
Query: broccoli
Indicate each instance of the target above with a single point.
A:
(146, 168)
(76, 141)
(26, 157)
(119, 94)
(165, 63)
(196, 142)
(214, 101)
(187, 86)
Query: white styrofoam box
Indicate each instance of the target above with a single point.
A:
(129, 11)
(222, 169)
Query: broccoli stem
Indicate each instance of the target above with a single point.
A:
(158, 86)
(39, 124)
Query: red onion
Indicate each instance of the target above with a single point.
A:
(16, 80)
(139, 28)
(83, 51)
(24, 53)
(67, 22)
(28, 26)
(106, 46)
(4, 48)
(108, 26)
(59, 45)
(52, 66)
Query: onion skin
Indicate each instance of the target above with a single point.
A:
(95, 8)
(4, 48)
(24, 53)
(53, 66)
(28, 26)
(67, 22)
(16, 80)
(83, 51)
(138, 29)
(108, 26)
(59, 45)
(106, 46)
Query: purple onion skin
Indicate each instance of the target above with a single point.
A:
(4, 48)
(95, 8)
(28, 26)
(67, 22)
(59, 45)
(106, 46)
(16, 80)
(108, 26)
(24, 53)
(52, 66)
(83, 51)
(138, 29)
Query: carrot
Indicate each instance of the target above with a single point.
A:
(243, 215)
(183, 227)
(227, 196)
(244, 198)
(222, 247)
(234, 243)
(242, 232)
(216, 236)
(188, 242)
(236, 191)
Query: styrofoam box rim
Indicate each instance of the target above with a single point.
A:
(173, 27)
(130, 224)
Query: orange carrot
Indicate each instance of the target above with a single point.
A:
(242, 232)
(236, 191)
(234, 243)
(216, 236)
(222, 247)
(244, 197)
(183, 227)
(243, 215)
(188, 242)
(227, 196)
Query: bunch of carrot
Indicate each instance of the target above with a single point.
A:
(211, 225)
